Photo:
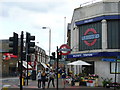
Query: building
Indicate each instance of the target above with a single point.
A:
(95, 30)
(9, 67)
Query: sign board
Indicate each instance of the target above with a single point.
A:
(95, 54)
(94, 36)
(108, 59)
(65, 49)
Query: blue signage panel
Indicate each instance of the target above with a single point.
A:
(96, 54)
(109, 59)
(88, 37)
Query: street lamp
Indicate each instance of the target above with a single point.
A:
(49, 39)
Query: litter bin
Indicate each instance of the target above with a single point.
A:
(33, 74)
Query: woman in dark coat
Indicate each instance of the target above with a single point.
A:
(43, 78)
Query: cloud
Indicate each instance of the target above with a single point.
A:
(41, 6)
(31, 15)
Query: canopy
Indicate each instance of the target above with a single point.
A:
(44, 65)
(79, 62)
(25, 65)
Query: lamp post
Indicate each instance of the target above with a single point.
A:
(49, 39)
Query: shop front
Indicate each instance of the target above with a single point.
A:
(102, 66)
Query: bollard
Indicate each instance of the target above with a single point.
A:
(58, 75)
(5, 88)
(23, 82)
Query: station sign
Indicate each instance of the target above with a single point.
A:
(64, 49)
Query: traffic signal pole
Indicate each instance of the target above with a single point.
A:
(29, 48)
(27, 54)
(57, 66)
(21, 69)
(27, 60)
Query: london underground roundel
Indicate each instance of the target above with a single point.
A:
(65, 49)
(93, 37)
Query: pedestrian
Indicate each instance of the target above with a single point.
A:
(43, 78)
(47, 73)
(51, 78)
(63, 74)
(39, 78)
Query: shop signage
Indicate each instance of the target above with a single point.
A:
(108, 59)
(8, 56)
(92, 37)
(96, 54)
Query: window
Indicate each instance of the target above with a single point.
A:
(112, 67)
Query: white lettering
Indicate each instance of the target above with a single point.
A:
(88, 37)
(77, 55)
(87, 54)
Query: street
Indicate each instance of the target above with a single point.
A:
(13, 83)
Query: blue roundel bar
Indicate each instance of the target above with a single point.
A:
(88, 37)
(96, 54)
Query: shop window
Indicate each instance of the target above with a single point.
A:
(88, 69)
(112, 67)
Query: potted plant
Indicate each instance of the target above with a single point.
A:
(106, 82)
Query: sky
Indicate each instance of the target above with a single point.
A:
(31, 15)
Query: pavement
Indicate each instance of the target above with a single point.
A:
(13, 83)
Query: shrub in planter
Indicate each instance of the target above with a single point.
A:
(106, 82)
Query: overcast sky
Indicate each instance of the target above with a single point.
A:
(32, 15)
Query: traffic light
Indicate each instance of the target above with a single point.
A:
(30, 45)
(59, 55)
(13, 44)
(53, 55)
(24, 56)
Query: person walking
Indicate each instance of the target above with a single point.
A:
(43, 78)
(39, 78)
(51, 78)
(47, 74)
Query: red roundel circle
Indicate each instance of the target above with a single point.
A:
(94, 41)
(65, 46)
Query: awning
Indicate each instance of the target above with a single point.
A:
(25, 65)
(8, 56)
(44, 65)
